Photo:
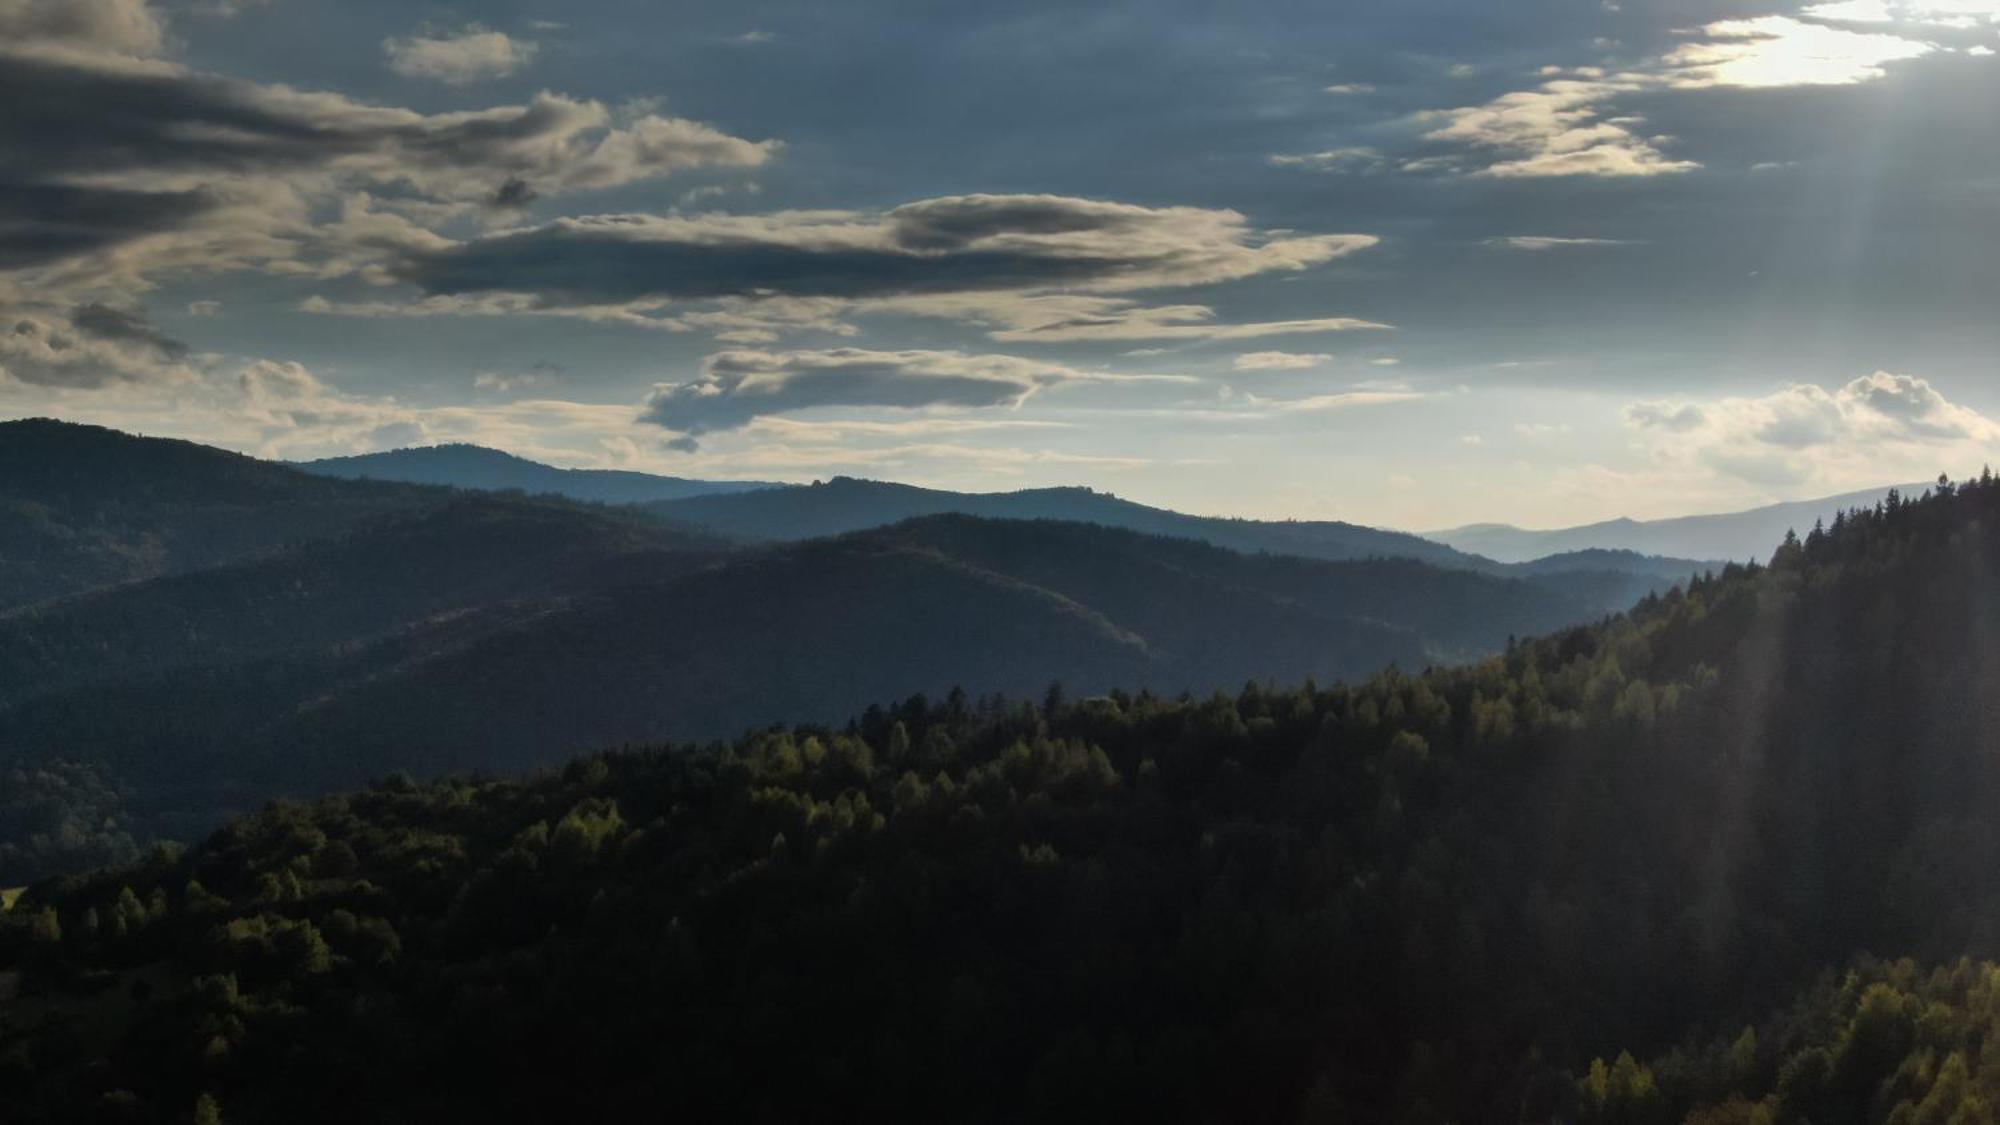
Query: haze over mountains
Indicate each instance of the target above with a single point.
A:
(1738, 536)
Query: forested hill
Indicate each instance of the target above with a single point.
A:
(1432, 897)
(83, 507)
(504, 633)
(476, 467)
(231, 630)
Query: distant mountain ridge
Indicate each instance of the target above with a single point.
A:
(463, 465)
(847, 504)
(754, 511)
(1735, 536)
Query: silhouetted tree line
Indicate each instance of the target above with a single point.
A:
(1445, 896)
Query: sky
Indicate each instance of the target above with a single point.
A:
(1413, 264)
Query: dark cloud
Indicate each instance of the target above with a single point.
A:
(514, 193)
(99, 149)
(738, 387)
(162, 118)
(961, 244)
(43, 223)
(124, 326)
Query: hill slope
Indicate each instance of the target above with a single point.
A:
(1431, 897)
(501, 634)
(476, 467)
(83, 506)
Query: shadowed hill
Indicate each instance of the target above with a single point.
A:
(502, 633)
(83, 506)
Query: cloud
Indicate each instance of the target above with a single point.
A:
(1121, 320)
(540, 374)
(1938, 13)
(1777, 51)
(1278, 361)
(183, 172)
(1565, 126)
(92, 345)
(1557, 129)
(1877, 427)
(468, 56)
(127, 327)
(739, 387)
(1546, 242)
(1665, 416)
(953, 245)
(1354, 158)
(1341, 400)
(122, 26)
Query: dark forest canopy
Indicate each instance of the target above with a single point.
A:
(1558, 884)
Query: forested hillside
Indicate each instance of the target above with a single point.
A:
(1418, 897)
(334, 630)
(83, 507)
(503, 633)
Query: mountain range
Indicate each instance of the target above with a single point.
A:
(1721, 859)
(206, 630)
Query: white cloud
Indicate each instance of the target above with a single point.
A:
(1875, 428)
(1566, 126)
(1279, 361)
(1938, 13)
(1357, 158)
(1547, 242)
(1339, 400)
(1778, 51)
(469, 55)
(1556, 129)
